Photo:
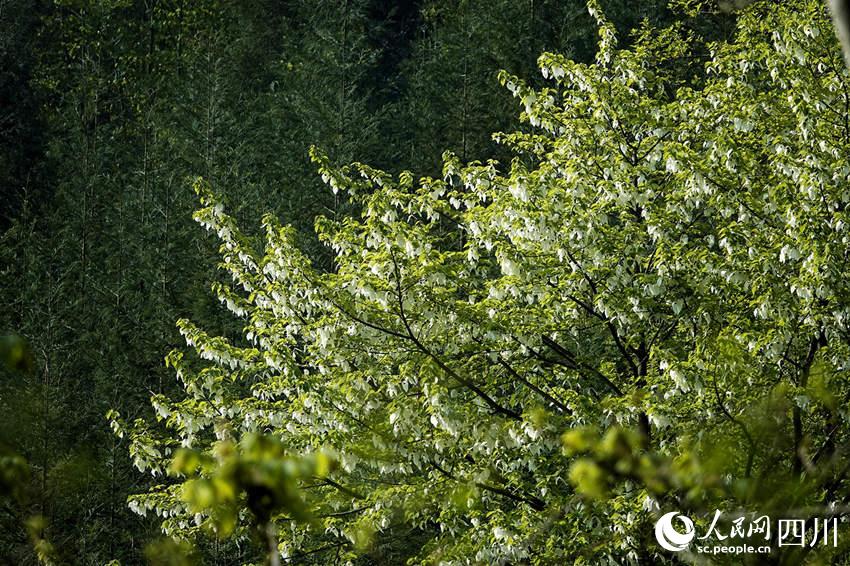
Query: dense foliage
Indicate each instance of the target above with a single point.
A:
(525, 362)
(108, 106)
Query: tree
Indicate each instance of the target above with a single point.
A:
(661, 262)
(111, 105)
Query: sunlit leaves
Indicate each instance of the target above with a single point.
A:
(655, 260)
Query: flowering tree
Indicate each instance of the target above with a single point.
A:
(525, 363)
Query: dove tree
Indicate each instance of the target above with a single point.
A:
(666, 256)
